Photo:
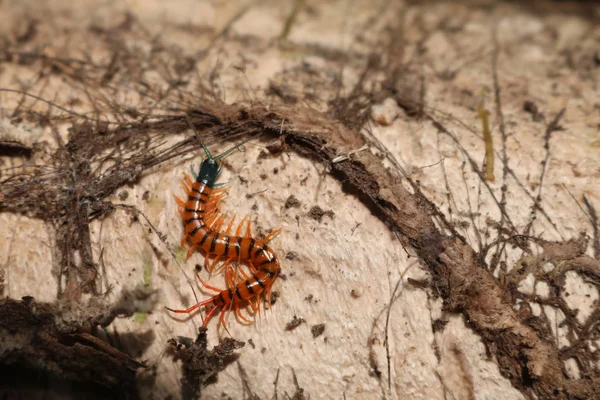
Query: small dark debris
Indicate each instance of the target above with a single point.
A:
(255, 207)
(292, 202)
(354, 293)
(262, 155)
(198, 267)
(294, 323)
(123, 195)
(419, 283)
(263, 176)
(242, 179)
(309, 298)
(275, 171)
(532, 108)
(251, 343)
(291, 255)
(263, 350)
(274, 297)
(317, 330)
(317, 213)
(146, 195)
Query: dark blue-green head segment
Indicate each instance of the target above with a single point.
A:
(210, 167)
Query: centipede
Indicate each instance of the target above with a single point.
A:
(203, 225)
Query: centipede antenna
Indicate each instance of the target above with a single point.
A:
(208, 155)
(227, 152)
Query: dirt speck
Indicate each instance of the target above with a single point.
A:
(294, 323)
(317, 330)
(317, 213)
(532, 108)
(292, 202)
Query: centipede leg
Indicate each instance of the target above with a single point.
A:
(225, 266)
(190, 251)
(243, 273)
(209, 315)
(179, 201)
(206, 285)
(252, 268)
(214, 263)
(238, 231)
(184, 240)
(219, 222)
(238, 313)
(206, 262)
(258, 307)
(188, 180)
(272, 234)
(248, 230)
(194, 174)
(230, 225)
(187, 187)
(222, 319)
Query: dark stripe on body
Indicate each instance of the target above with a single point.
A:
(249, 287)
(238, 246)
(265, 248)
(214, 243)
(205, 237)
(198, 199)
(258, 280)
(271, 274)
(237, 292)
(221, 297)
(252, 241)
(226, 246)
(196, 229)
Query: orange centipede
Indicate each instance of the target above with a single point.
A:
(202, 223)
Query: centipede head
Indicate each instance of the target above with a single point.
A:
(211, 167)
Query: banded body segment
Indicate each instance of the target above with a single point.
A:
(202, 223)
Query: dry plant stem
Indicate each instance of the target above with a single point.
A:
(532, 364)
